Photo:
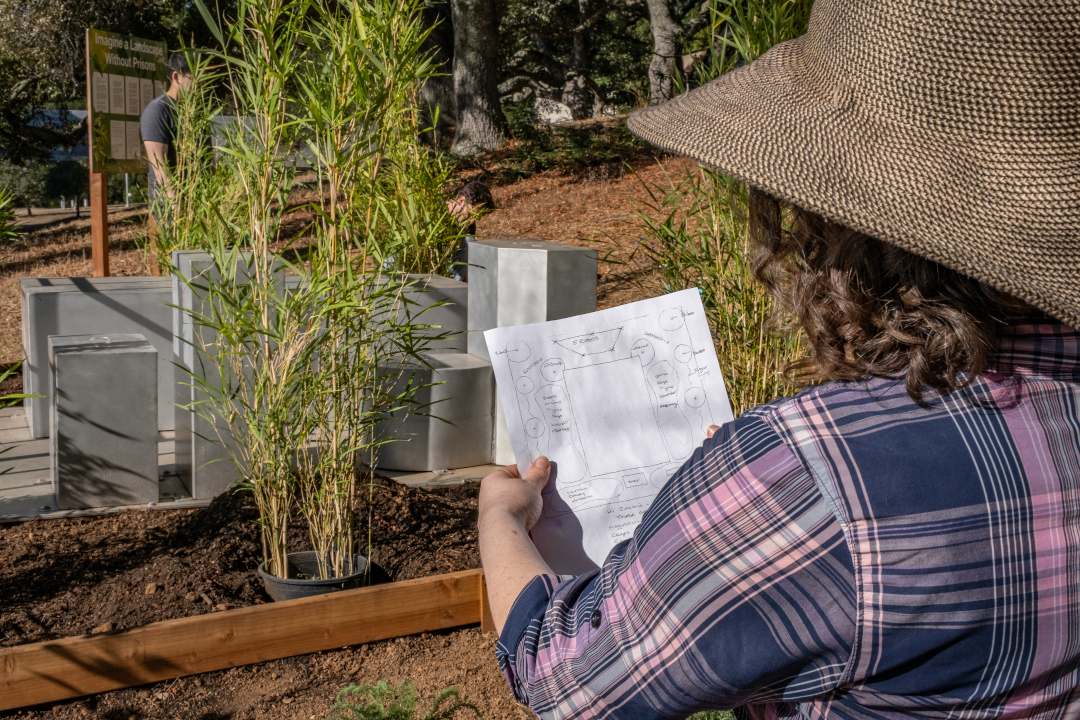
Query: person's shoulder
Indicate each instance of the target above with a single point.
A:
(871, 393)
(162, 104)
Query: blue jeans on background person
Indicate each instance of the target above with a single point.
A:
(461, 258)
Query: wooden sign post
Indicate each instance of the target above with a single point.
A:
(123, 74)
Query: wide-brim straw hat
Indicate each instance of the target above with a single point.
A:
(950, 128)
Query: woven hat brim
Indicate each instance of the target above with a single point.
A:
(1008, 218)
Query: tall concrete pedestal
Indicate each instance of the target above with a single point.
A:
(104, 440)
(203, 461)
(518, 282)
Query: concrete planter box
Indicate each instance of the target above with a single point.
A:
(93, 306)
(465, 398)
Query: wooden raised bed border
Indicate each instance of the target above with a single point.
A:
(89, 664)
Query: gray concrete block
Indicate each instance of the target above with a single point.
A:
(103, 435)
(424, 296)
(431, 300)
(93, 306)
(202, 438)
(519, 282)
(457, 433)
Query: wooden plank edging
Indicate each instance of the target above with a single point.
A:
(89, 664)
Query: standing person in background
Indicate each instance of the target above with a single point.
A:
(468, 203)
(158, 127)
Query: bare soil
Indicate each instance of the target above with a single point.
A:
(68, 577)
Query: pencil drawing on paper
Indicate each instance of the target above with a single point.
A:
(648, 370)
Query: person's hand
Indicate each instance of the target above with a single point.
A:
(506, 491)
(711, 430)
(459, 209)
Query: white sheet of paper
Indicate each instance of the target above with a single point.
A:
(617, 399)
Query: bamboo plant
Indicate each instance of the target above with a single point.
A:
(302, 380)
(695, 225)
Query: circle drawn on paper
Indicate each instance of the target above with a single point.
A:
(643, 351)
(552, 370)
(695, 397)
(683, 353)
(518, 351)
(671, 319)
(535, 427)
(524, 385)
(661, 475)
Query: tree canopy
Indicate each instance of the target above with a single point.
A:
(43, 61)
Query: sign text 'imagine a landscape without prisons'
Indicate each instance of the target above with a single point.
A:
(124, 75)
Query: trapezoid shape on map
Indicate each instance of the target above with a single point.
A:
(592, 343)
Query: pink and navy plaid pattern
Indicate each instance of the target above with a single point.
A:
(843, 553)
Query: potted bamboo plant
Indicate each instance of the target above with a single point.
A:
(302, 379)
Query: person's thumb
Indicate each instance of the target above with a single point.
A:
(539, 472)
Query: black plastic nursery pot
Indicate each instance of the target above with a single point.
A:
(303, 566)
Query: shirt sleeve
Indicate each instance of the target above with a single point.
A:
(155, 124)
(736, 589)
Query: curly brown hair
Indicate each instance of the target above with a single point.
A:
(871, 308)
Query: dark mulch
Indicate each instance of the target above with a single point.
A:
(69, 577)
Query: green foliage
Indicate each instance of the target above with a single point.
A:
(537, 48)
(696, 231)
(305, 380)
(713, 715)
(8, 229)
(136, 186)
(43, 60)
(696, 226)
(11, 398)
(740, 31)
(25, 182)
(382, 701)
(564, 148)
(68, 179)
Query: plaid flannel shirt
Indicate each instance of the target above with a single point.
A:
(843, 553)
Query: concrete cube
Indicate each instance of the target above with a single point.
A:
(103, 435)
(451, 317)
(93, 306)
(519, 282)
(460, 398)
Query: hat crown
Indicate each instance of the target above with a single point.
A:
(991, 69)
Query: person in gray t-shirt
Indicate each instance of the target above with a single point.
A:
(158, 126)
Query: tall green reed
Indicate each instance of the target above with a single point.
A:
(696, 236)
(696, 225)
(8, 228)
(302, 379)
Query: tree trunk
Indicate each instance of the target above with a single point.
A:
(576, 93)
(437, 93)
(666, 33)
(476, 87)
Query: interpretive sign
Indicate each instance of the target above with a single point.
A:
(124, 75)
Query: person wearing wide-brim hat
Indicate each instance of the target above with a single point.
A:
(902, 539)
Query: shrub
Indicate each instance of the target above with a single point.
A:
(382, 701)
